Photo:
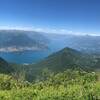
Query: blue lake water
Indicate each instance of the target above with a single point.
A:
(27, 57)
(24, 57)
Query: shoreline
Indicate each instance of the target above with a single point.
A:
(19, 49)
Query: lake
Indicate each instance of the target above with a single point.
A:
(27, 57)
(24, 57)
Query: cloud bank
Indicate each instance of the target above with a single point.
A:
(47, 30)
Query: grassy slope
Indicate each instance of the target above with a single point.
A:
(79, 86)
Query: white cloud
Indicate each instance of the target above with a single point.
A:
(46, 30)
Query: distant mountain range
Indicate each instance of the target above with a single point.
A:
(86, 43)
(16, 40)
(19, 40)
(83, 43)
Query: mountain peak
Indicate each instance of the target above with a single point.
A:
(63, 59)
(68, 50)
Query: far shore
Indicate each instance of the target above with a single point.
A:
(19, 49)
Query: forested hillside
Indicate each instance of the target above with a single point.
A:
(5, 67)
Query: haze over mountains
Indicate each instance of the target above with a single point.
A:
(34, 46)
(84, 43)
(17, 40)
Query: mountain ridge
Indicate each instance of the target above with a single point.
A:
(16, 40)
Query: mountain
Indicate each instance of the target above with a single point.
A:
(66, 58)
(84, 43)
(17, 40)
(5, 67)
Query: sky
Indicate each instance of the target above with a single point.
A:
(55, 16)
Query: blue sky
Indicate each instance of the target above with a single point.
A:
(62, 16)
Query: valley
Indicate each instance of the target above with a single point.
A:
(37, 45)
(67, 57)
(61, 75)
(37, 68)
